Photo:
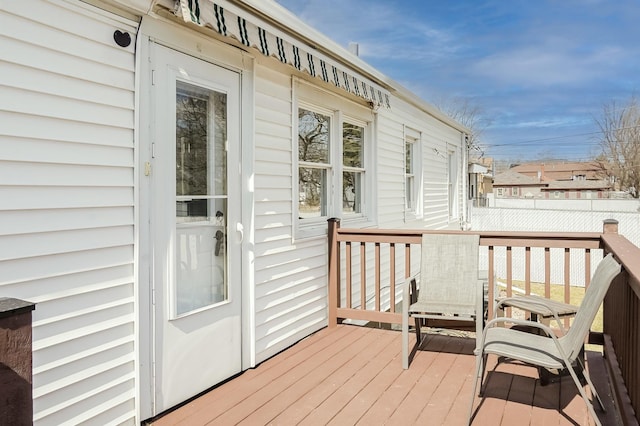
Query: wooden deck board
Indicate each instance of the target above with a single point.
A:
(318, 384)
(321, 405)
(441, 403)
(353, 375)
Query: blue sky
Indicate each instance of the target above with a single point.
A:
(541, 70)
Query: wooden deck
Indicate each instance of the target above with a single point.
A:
(353, 375)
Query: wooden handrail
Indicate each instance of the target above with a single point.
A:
(621, 325)
(409, 238)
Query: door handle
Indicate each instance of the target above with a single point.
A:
(219, 241)
(240, 230)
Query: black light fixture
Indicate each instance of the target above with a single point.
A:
(122, 39)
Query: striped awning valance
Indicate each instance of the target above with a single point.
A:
(208, 13)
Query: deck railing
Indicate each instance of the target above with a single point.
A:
(621, 326)
(367, 268)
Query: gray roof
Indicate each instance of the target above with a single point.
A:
(577, 184)
(514, 178)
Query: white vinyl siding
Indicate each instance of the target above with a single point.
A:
(67, 204)
(290, 273)
(436, 140)
(290, 277)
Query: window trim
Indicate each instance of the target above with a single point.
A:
(328, 167)
(364, 194)
(453, 182)
(416, 211)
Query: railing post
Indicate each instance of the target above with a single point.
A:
(16, 377)
(610, 226)
(334, 270)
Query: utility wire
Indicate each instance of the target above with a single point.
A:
(531, 141)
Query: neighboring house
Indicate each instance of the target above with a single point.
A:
(575, 189)
(567, 180)
(480, 181)
(511, 184)
(167, 175)
(563, 171)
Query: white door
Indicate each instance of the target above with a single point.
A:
(194, 226)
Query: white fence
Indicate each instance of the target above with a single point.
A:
(548, 220)
(603, 205)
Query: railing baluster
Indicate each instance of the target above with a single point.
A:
(547, 272)
(509, 277)
(567, 275)
(633, 344)
(407, 261)
(587, 268)
(377, 272)
(363, 277)
(567, 281)
(348, 284)
(334, 271)
(392, 277)
(492, 284)
(632, 356)
(527, 270)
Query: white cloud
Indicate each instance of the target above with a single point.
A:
(546, 65)
(381, 30)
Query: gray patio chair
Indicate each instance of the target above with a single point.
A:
(546, 349)
(448, 289)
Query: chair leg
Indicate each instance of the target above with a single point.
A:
(405, 341)
(576, 380)
(586, 376)
(483, 365)
(480, 367)
(418, 332)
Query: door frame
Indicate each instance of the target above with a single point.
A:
(192, 43)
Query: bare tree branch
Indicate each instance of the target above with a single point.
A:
(620, 142)
(470, 115)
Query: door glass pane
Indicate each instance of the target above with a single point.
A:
(201, 198)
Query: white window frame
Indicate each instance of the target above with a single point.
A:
(452, 184)
(499, 192)
(362, 171)
(414, 211)
(327, 167)
(340, 110)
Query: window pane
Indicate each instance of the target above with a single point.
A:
(352, 145)
(201, 263)
(409, 190)
(312, 193)
(352, 192)
(200, 114)
(409, 158)
(201, 173)
(192, 128)
(220, 142)
(313, 137)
